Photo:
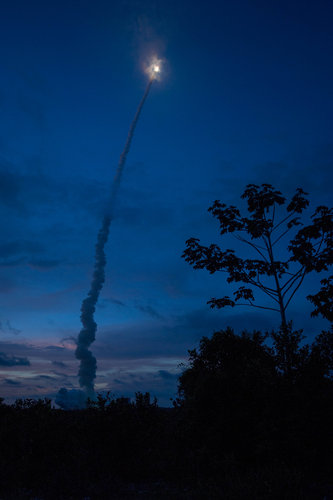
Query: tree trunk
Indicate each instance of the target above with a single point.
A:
(277, 284)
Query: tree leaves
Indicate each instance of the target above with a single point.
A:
(323, 300)
(311, 247)
(298, 202)
(229, 217)
(261, 199)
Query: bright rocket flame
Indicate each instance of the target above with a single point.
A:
(153, 68)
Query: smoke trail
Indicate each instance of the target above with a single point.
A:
(88, 364)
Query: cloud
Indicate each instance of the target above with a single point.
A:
(9, 186)
(20, 191)
(10, 381)
(117, 381)
(112, 300)
(153, 339)
(7, 284)
(167, 375)
(143, 211)
(313, 172)
(150, 340)
(150, 311)
(104, 302)
(33, 109)
(23, 190)
(41, 353)
(44, 263)
(55, 347)
(63, 375)
(17, 247)
(12, 262)
(7, 360)
(59, 364)
(6, 327)
(71, 340)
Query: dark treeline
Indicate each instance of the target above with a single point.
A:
(251, 421)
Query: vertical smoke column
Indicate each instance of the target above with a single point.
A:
(87, 369)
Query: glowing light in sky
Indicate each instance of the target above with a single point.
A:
(154, 67)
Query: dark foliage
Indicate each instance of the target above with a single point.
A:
(262, 405)
(323, 300)
(251, 421)
(91, 453)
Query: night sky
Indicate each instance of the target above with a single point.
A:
(245, 97)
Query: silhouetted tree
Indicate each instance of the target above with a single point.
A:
(290, 357)
(310, 249)
(323, 300)
(241, 397)
(227, 371)
(225, 392)
(40, 404)
(228, 356)
(142, 401)
(322, 353)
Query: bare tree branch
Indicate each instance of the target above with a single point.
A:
(264, 289)
(292, 277)
(259, 307)
(299, 284)
(283, 220)
(299, 276)
(281, 236)
(256, 247)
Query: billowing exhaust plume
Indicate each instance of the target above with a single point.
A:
(87, 335)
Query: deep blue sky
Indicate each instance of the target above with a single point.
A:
(246, 97)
